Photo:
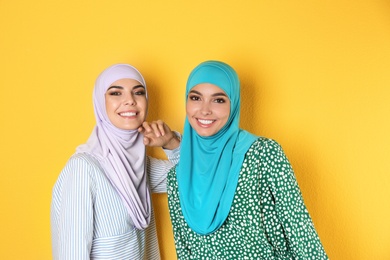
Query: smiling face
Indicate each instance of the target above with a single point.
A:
(207, 108)
(126, 104)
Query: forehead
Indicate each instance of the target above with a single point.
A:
(208, 89)
(126, 82)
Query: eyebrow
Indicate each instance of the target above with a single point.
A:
(120, 87)
(213, 95)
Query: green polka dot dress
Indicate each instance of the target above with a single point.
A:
(267, 219)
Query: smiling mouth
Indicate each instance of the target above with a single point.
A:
(128, 114)
(205, 122)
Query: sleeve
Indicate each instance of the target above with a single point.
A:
(296, 224)
(174, 155)
(72, 212)
(158, 169)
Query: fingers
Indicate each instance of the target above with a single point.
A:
(146, 141)
(156, 133)
(156, 127)
(161, 127)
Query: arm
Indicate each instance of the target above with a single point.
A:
(158, 169)
(158, 134)
(72, 212)
(301, 237)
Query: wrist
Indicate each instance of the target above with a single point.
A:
(174, 142)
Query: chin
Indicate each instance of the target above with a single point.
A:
(128, 128)
(205, 133)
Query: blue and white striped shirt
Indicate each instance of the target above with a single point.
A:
(89, 219)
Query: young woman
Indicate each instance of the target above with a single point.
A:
(101, 204)
(233, 195)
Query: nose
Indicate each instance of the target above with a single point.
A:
(129, 100)
(205, 109)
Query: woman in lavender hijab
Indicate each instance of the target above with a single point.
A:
(101, 203)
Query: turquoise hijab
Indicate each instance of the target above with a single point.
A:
(209, 167)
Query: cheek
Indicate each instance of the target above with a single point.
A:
(144, 105)
(108, 106)
(224, 112)
(190, 109)
(111, 105)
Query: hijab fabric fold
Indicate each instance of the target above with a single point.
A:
(120, 152)
(209, 167)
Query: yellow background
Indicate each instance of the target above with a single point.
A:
(315, 77)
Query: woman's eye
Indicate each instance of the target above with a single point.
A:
(140, 93)
(114, 93)
(194, 98)
(219, 100)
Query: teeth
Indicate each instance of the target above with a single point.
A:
(127, 114)
(205, 122)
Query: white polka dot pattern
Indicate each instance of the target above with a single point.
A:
(268, 218)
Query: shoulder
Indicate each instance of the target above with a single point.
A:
(269, 154)
(80, 167)
(83, 160)
(265, 145)
(78, 180)
(84, 157)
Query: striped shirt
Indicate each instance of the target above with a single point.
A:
(89, 219)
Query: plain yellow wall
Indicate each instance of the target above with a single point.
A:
(315, 77)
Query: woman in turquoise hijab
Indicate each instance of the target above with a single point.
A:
(233, 195)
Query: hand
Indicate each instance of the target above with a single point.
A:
(158, 134)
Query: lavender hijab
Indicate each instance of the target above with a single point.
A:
(120, 152)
